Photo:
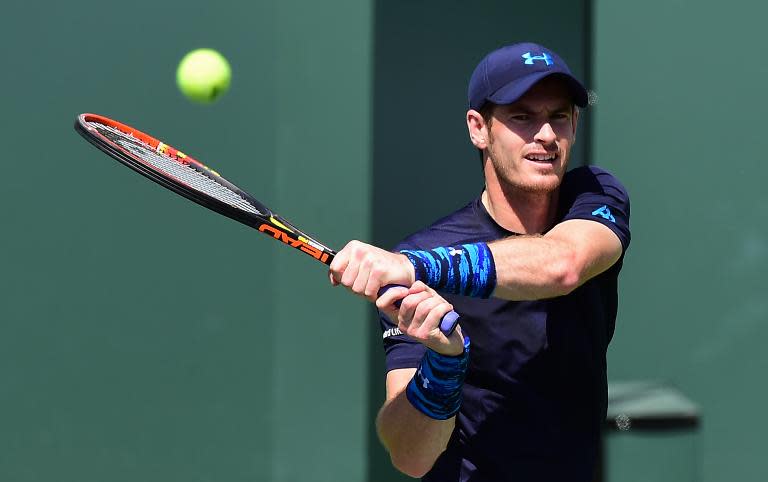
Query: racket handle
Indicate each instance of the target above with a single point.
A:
(447, 324)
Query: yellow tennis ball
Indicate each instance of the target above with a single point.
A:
(203, 75)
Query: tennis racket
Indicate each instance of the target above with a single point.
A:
(190, 178)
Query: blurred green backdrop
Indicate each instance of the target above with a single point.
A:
(681, 121)
(124, 358)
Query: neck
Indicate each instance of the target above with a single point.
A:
(518, 211)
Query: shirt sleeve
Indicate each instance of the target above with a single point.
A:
(595, 194)
(400, 350)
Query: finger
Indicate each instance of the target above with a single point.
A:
(422, 312)
(409, 305)
(425, 324)
(435, 315)
(338, 266)
(452, 345)
(361, 280)
(376, 278)
(390, 296)
(419, 287)
(353, 265)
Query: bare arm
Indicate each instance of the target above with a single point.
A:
(413, 440)
(536, 267)
(527, 267)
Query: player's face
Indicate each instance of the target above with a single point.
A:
(529, 142)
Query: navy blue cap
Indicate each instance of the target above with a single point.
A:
(505, 74)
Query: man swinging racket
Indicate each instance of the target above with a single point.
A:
(532, 266)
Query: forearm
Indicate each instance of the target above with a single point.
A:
(517, 268)
(534, 267)
(521, 267)
(413, 440)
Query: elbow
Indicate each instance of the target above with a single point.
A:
(411, 466)
(412, 463)
(406, 461)
(566, 275)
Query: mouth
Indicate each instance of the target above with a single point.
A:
(545, 157)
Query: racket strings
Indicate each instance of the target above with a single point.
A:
(169, 166)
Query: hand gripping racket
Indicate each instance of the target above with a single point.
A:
(190, 178)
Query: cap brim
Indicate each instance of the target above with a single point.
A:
(514, 90)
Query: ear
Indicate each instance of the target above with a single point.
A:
(478, 130)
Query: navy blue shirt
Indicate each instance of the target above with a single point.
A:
(535, 396)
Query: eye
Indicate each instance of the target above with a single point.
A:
(561, 115)
(520, 117)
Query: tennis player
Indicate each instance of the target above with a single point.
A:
(518, 392)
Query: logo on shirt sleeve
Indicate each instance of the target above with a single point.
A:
(392, 332)
(604, 213)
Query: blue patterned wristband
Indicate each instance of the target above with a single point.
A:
(467, 270)
(435, 389)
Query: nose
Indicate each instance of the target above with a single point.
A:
(546, 135)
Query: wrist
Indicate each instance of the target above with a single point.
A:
(468, 269)
(435, 389)
(409, 269)
(448, 346)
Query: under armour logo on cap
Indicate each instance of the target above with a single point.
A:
(529, 58)
(507, 73)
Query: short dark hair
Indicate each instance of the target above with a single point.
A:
(487, 111)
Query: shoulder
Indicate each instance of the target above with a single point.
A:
(592, 193)
(592, 179)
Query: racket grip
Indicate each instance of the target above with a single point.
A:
(447, 324)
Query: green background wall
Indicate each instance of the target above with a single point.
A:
(123, 356)
(681, 120)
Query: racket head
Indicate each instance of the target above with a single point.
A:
(188, 177)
